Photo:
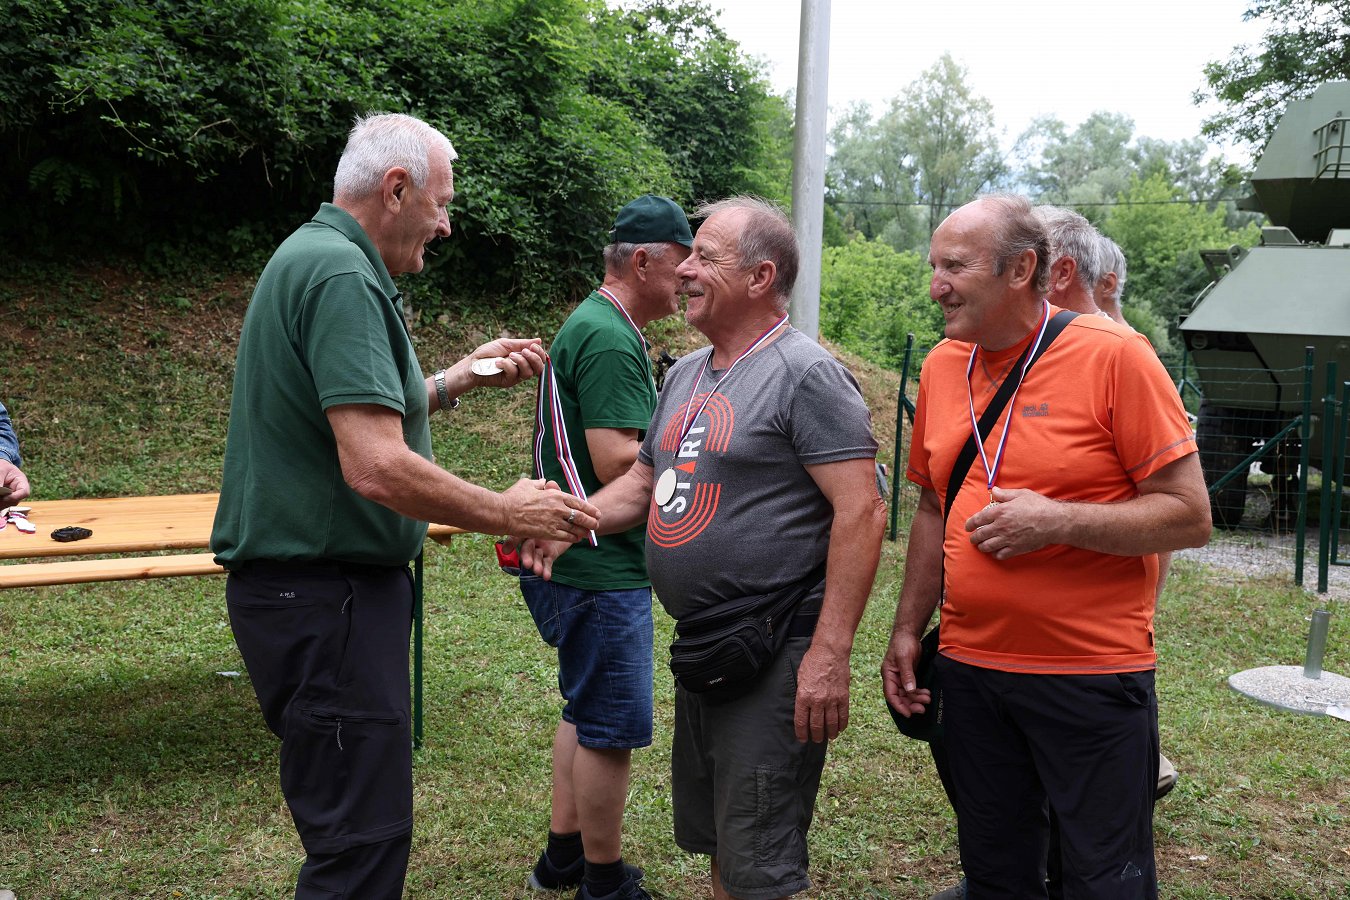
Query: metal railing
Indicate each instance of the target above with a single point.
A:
(1330, 157)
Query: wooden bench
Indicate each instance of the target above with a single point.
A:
(134, 533)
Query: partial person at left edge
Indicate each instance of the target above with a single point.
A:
(328, 485)
(11, 475)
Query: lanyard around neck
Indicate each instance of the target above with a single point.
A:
(690, 420)
(604, 292)
(991, 471)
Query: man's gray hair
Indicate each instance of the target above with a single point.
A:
(766, 235)
(618, 254)
(380, 142)
(1019, 230)
(1073, 236)
(1113, 260)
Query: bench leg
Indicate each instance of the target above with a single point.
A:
(417, 653)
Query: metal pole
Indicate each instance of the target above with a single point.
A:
(808, 161)
(1339, 469)
(1305, 435)
(900, 410)
(1324, 506)
(1317, 644)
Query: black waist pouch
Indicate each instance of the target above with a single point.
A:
(721, 651)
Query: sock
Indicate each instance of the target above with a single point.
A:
(603, 879)
(563, 849)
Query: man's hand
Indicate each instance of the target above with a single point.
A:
(897, 675)
(12, 477)
(822, 696)
(537, 509)
(519, 360)
(1019, 521)
(538, 556)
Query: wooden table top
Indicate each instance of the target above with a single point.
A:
(127, 525)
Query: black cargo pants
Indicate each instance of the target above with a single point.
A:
(326, 647)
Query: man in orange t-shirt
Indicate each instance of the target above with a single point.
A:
(1047, 563)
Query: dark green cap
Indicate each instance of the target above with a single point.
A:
(652, 220)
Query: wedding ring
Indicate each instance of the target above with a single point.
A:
(570, 516)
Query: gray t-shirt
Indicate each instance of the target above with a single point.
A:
(746, 517)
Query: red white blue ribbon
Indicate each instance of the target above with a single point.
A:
(759, 341)
(604, 292)
(561, 447)
(991, 472)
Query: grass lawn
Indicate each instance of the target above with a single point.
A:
(129, 767)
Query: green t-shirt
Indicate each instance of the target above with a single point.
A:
(605, 381)
(325, 327)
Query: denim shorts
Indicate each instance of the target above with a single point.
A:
(604, 642)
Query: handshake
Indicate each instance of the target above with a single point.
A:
(544, 522)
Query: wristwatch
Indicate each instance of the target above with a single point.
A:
(442, 394)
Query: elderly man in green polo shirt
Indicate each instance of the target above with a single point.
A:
(328, 486)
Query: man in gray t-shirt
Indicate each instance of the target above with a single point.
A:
(758, 466)
(746, 516)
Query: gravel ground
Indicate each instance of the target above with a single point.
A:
(1256, 553)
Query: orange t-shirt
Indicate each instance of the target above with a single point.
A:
(1096, 414)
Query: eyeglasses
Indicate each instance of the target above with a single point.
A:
(508, 558)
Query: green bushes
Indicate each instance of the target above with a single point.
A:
(171, 128)
(872, 297)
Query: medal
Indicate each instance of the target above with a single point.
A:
(991, 469)
(665, 487)
(485, 367)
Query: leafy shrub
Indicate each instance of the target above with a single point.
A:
(170, 128)
(872, 297)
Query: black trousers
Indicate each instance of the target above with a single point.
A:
(1086, 745)
(326, 647)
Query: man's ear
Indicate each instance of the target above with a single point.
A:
(394, 188)
(1062, 273)
(1023, 270)
(762, 278)
(1107, 283)
(638, 262)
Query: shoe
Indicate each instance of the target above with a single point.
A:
(629, 890)
(1167, 777)
(955, 892)
(548, 877)
(6, 895)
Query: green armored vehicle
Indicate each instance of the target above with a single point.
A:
(1247, 331)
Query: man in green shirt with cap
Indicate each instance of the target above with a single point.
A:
(597, 610)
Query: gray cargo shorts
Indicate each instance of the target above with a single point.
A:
(744, 788)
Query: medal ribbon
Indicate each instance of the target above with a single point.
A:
(991, 472)
(689, 421)
(604, 292)
(561, 447)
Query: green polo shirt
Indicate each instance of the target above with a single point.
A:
(325, 327)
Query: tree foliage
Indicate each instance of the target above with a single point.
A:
(1162, 239)
(872, 297)
(934, 148)
(1307, 43)
(217, 123)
